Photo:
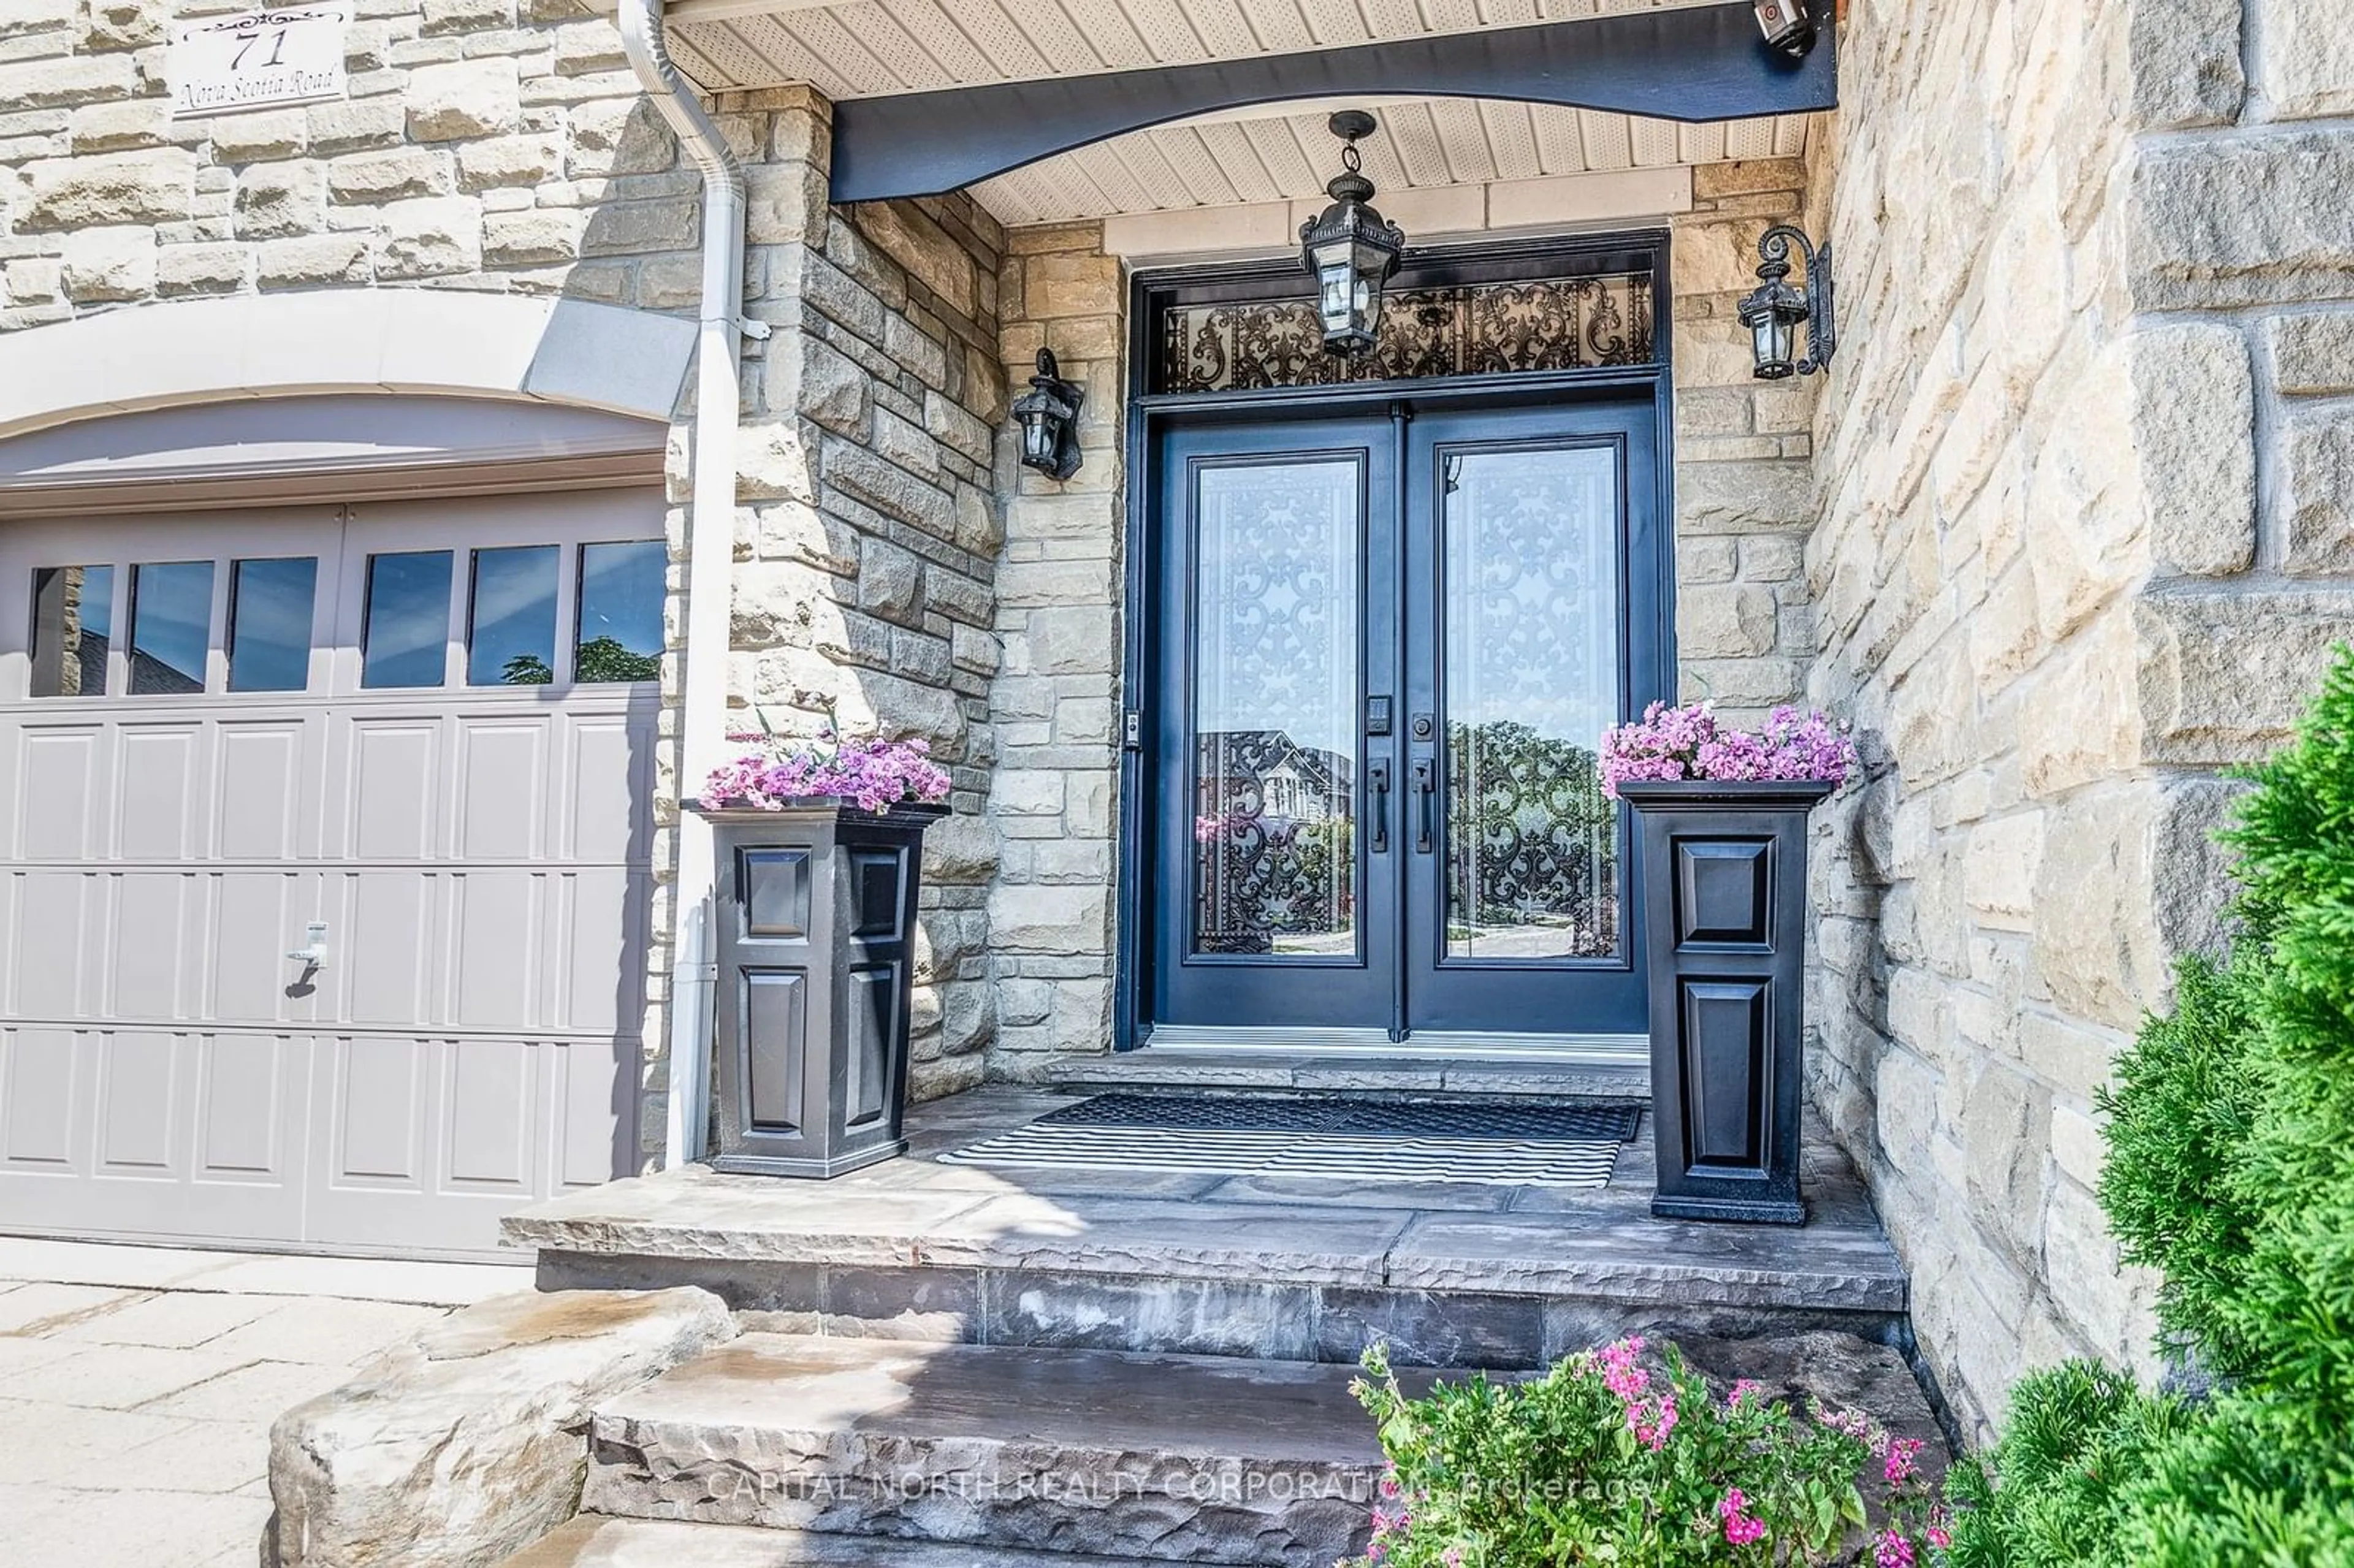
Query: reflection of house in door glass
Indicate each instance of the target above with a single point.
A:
(1275, 862)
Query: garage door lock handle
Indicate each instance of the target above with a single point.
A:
(315, 954)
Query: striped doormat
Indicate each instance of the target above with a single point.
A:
(1338, 1140)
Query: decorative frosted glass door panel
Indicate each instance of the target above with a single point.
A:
(1536, 618)
(1276, 689)
(1274, 621)
(1530, 607)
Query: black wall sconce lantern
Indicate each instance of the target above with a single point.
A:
(1351, 249)
(1049, 417)
(1788, 25)
(1774, 312)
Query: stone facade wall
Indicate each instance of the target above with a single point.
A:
(494, 144)
(1056, 697)
(1744, 623)
(869, 529)
(2084, 462)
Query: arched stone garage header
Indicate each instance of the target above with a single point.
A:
(358, 340)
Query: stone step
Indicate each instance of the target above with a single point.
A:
(1523, 1079)
(1165, 1458)
(593, 1540)
(1451, 1273)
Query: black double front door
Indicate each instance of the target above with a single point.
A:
(1382, 650)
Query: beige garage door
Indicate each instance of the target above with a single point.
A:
(425, 728)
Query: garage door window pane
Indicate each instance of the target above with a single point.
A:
(621, 636)
(73, 628)
(511, 638)
(407, 638)
(270, 610)
(171, 627)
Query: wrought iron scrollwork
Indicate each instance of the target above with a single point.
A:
(1487, 329)
(1534, 861)
(1274, 847)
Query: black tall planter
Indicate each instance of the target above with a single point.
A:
(816, 928)
(1724, 897)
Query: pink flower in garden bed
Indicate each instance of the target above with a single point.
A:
(1620, 1455)
(1688, 743)
(1741, 1526)
(874, 774)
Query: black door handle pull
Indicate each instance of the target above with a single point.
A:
(1377, 805)
(1426, 787)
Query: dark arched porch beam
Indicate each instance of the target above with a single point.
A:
(1705, 62)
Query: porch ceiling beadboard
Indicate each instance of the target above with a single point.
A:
(875, 49)
(1283, 153)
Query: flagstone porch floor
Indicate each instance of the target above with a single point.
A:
(1296, 1269)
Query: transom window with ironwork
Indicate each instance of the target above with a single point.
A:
(1448, 322)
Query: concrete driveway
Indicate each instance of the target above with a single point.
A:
(137, 1384)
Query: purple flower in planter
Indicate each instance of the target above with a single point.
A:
(874, 774)
(1688, 743)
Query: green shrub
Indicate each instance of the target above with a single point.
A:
(2093, 1473)
(1612, 1459)
(2240, 1487)
(2049, 1492)
(2231, 1169)
(2181, 1114)
(2294, 1313)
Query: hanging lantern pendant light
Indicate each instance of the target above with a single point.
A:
(1351, 249)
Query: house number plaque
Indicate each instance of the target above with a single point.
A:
(257, 60)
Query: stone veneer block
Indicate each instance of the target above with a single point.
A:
(151, 187)
(1202, 1458)
(2315, 450)
(2185, 63)
(2305, 69)
(2235, 220)
(465, 1443)
(2313, 353)
(2194, 412)
(462, 98)
(2224, 676)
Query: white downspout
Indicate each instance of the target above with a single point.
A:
(710, 558)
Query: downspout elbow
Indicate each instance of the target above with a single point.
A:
(674, 97)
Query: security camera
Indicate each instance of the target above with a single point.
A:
(1788, 25)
